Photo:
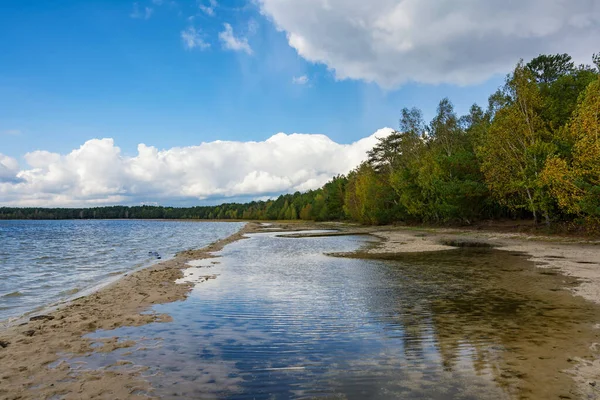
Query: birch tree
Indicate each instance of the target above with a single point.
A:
(515, 149)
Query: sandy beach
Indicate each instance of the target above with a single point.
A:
(32, 353)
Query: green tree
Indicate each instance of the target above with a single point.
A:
(515, 148)
(549, 68)
(369, 198)
(449, 176)
(575, 181)
(403, 179)
(561, 84)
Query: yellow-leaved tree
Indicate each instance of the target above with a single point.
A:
(514, 150)
(575, 181)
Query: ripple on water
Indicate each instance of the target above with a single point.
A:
(48, 260)
(69, 292)
(284, 321)
(13, 294)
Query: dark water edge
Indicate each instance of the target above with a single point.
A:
(282, 320)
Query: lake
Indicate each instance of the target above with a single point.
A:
(42, 262)
(284, 320)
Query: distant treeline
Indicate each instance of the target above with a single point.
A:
(533, 152)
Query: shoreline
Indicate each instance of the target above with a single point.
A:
(76, 289)
(31, 353)
(86, 291)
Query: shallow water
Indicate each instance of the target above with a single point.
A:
(46, 261)
(282, 320)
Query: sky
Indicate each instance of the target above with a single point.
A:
(185, 102)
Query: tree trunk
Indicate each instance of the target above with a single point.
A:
(547, 217)
(535, 220)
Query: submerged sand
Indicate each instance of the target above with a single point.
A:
(31, 353)
(576, 258)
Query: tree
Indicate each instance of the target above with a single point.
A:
(575, 180)
(459, 185)
(548, 68)
(334, 192)
(444, 129)
(515, 148)
(443, 182)
(561, 84)
(561, 96)
(369, 198)
(306, 213)
(386, 152)
(403, 178)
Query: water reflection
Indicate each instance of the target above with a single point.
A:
(282, 320)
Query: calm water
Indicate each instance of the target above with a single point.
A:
(282, 320)
(45, 261)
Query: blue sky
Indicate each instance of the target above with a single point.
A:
(181, 101)
(74, 71)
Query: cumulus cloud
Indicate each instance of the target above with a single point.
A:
(192, 39)
(9, 167)
(231, 42)
(300, 80)
(432, 41)
(98, 173)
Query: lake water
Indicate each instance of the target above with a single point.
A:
(283, 320)
(42, 262)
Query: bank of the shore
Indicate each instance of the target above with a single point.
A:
(49, 262)
(29, 352)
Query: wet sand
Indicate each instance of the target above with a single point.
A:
(572, 257)
(29, 352)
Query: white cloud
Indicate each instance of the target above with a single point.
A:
(141, 13)
(99, 174)
(300, 80)
(231, 42)
(9, 167)
(12, 132)
(391, 42)
(192, 39)
(208, 9)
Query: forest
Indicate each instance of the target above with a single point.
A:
(532, 153)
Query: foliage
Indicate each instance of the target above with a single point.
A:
(549, 68)
(515, 149)
(561, 84)
(575, 180)
(369, 198)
